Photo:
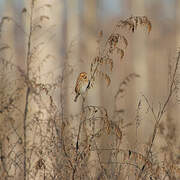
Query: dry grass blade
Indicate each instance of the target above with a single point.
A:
(112, 44)
(133, 22)
(123, 85)
(121, 52)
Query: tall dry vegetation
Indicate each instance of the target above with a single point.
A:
(36, 137)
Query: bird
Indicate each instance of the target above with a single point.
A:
(82, 84)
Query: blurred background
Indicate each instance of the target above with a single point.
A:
(70, 37)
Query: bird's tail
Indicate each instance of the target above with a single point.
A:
(77, 95)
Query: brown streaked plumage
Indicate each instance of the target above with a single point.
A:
(81, 85)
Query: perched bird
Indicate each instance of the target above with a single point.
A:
(82, 84)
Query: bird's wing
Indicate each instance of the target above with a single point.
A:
(77, 87)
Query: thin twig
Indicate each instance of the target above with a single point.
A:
(28, 88)
(159, 116)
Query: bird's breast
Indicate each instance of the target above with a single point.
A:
(83, 88)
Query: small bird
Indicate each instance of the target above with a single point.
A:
(82, 84)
